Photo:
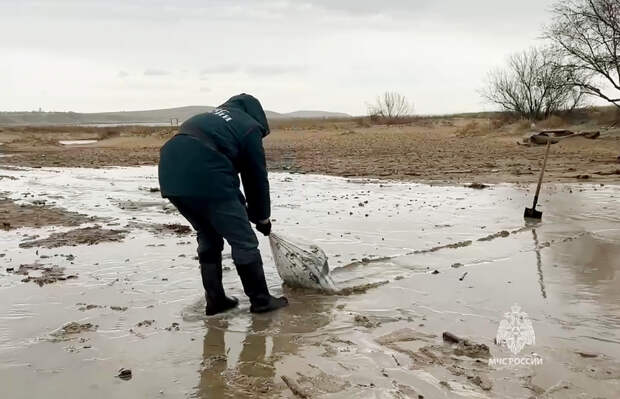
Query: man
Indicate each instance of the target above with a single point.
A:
(199, 173)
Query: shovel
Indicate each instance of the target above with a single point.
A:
(532, 213)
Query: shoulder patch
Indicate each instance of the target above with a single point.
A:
(222, 113)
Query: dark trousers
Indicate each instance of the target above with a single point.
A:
(216, 221)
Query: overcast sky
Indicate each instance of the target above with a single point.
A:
(90, 55)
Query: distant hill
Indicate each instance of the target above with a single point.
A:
(148, 116)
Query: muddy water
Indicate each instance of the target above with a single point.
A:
(136, 304)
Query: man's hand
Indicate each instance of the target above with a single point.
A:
(264, 226)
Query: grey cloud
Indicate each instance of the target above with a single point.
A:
(223, 9)
(464, 9)
(354, 48)
(272, 70)
(370, 6)
(155, 72)
(219, 69)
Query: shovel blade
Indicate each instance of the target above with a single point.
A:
(531, 213)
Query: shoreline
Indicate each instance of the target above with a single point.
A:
(103, 159)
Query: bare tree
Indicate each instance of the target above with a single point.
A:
(586, 35)
(532, 85)
(390, 107)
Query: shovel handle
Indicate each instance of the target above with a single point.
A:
(542, 173)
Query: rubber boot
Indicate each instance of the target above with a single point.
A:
(217, 301)
(255, 287)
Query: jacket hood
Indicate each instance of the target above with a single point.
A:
(251, 106)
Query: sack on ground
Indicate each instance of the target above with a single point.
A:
(300, 264)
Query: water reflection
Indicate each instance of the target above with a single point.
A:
(214, 361)
(541, 280)
(267, 338)
(594, 261)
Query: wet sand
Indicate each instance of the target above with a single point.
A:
(35, 214)
(455, 260)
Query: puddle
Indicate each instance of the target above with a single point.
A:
(454, 259)
(76, 142)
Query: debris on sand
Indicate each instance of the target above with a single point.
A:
(472, 375)
(84, 307)
(145, 323)
(477, 186)
(211, 361)
(84, 236)
(457, 265)
(467, 348)
(47, 274)
(177, 229)
(463, 276)
(555, 136)
(337, 340)
(452, 354)
(587, 354)
(159, 228)
(403, 335)
(14, 216)
(473, 350)
(316, 385)
(366, 261)
(408, 392)
(174, 327)
(482, 381)
(450, 338)
(65, 332)
(150, 189)
(609, 172)
(365, 321)
(529, 384)
(359, 289)
(499, 234)
(124, 374)
(131, 205)
(295, 388)
(74, 327)
(455, 245)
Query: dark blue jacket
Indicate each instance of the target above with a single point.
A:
(210, 151)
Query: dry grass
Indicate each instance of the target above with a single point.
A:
(553, 122)
(436, 149)
(521, 126)
(474, 128)
(309, 123)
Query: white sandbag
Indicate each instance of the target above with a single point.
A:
(300, 264)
